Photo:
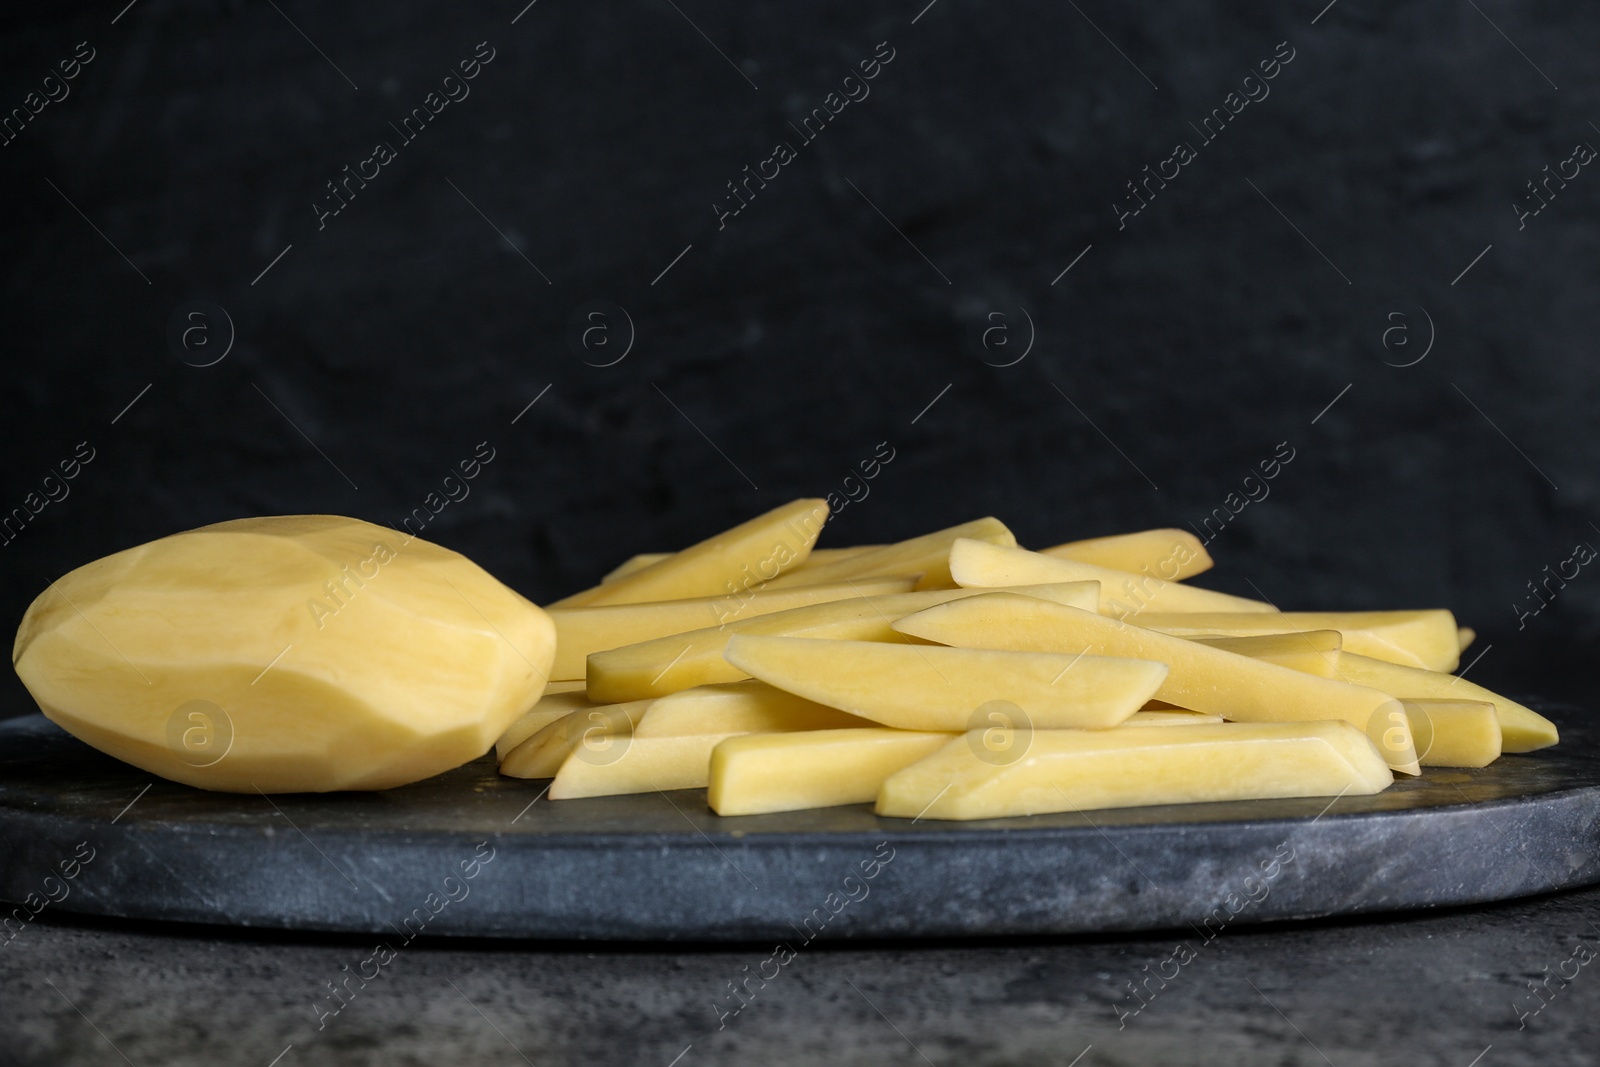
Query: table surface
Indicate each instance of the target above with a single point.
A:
(1422, 988)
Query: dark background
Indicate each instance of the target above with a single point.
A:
(1171, 359)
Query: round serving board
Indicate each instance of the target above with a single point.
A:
(471, 853)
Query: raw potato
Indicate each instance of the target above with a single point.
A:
(1169, 554)
(928, 555)
(668, 664)
(750, 554)
(762, 773)
(595, 628)
(915, 687)
(1202, 678)
(974, 564)
(1426, 638)
(1076, 770)
(597, 729)
(644, 559)
(1454, 733)
(747, 707)
(1522, 729)
(296, 653)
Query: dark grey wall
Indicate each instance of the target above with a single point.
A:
(782, 347)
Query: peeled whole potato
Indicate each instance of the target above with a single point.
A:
(293, 653)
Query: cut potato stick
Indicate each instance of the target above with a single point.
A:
(671, 742)
(1076, 770)
(757, 551)
(1169, 554)
(1201, 678)
(747, 707)
(668, 664)
(928, 555)
(1173, 717)
(1522, 729)
(975, 564)
(761, 773)
(550, 707)
(636, 765)
(595, 628)
(915, 687)
(645, 559)
(1312, 651)
(598, 728)
(1454, 733)
(1465, 636)
(1426, 638)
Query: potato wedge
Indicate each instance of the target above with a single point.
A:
(1076, 770)
(762, 773)
(916, 687)
(1201, 678)
(597, 728)
(748, 707)
(668, 664)
(1426, 638)
(928, 555)
(1169, 554)
(749, 556)
(1454, 733)
(975, 564)
(595, 628)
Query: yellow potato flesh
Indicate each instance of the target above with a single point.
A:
(762, 773)
(1454, 733)
(668, 664)
(645, 559)
(1201, 678)
(1521, 728)
(596, 729)
(974, 564)
(738, 708)
(1168, 554)
(917, 687)
(928, 555)
(1171, 718)
(748, 556)
(286, 654)
(1465, 636)
(1078, 770)
(1311, 651)
(1426, 638)
(585, 629)
(671, 740)
(638, 765)
(550, 707)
